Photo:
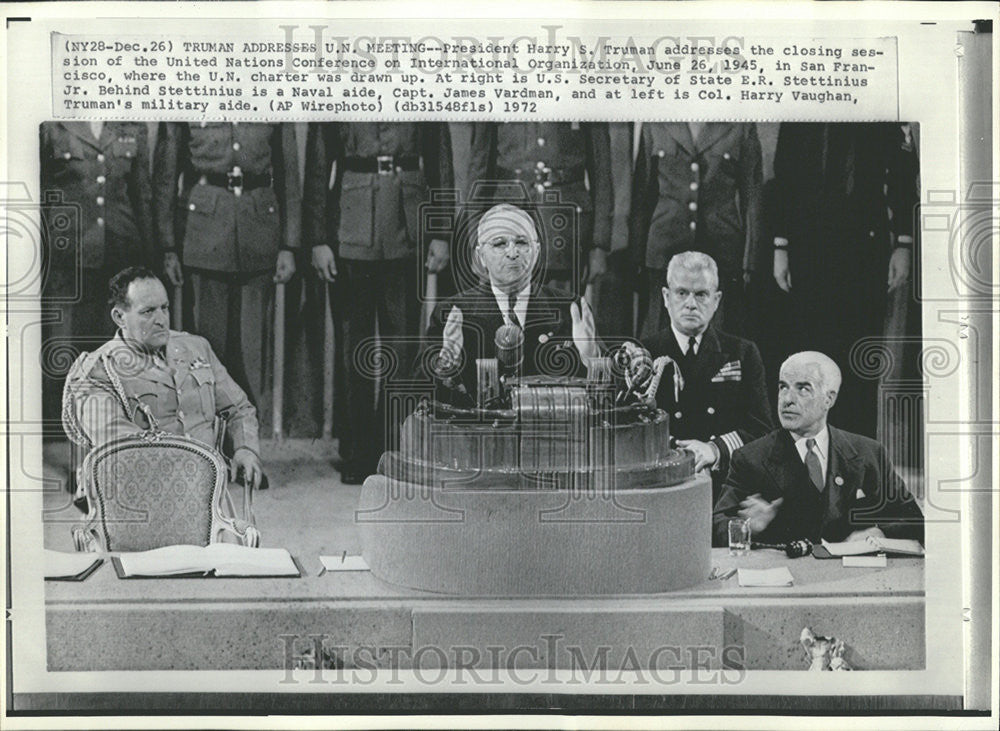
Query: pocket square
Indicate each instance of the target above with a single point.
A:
(730, 371)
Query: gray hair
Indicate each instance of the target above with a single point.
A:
(694, 261)
(829, 371)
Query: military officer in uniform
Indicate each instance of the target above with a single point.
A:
(102, 170)
(233, 223)
(366, 234)
(838, 251)
(719, 401)
(150, 377)
(568, 162)
(698, 188)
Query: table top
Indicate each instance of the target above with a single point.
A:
(812, 578)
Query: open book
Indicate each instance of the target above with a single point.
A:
(65, 566)
(873, 544)
(215, 559)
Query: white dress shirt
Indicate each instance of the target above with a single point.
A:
(520, 309)
(822, 449)
(682, 340)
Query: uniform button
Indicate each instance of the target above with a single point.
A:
(100, 200)
(67, 156)
(100, 157)
(692, 225)
(677, 414)
(871, 234)
(236, 145)
(692, 206)
(661, 153)
(100, 221)
(190, 206)
(541, 142)
(694, 167)
(693, 186)
(710, 410)
(539, 164)
(101, 179)
(725, 155)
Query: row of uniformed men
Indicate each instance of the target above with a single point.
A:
(225, 207)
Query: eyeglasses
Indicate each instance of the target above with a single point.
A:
(702, 296)
(500, 243)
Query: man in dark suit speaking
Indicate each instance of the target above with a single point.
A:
(811, 480)
(489, 319)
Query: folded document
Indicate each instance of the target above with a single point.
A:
(874, 544)
(780, 576)
(215, 559)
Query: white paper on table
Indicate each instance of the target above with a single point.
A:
(865, 562)
(344, 563)
(780, 576)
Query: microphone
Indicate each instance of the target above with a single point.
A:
(793, 549)
(509, 341)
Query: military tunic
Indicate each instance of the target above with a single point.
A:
(184, 389)
(723, 399)
(238, 204)
(96, 202)
(371, 217)
(699, 194)
(563, 166)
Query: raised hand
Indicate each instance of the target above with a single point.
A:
(584, 333)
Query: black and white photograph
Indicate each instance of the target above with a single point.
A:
(582, 368)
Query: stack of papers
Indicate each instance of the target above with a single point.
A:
(780, 576)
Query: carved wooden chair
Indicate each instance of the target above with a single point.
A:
(153, 489)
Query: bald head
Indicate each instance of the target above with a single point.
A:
(808, 384)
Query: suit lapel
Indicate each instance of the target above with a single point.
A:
(843, 474)
(681, 134)
(81, 131)
(803, 507)
(711, 134)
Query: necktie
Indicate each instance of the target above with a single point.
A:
(812, 465)
(690, 355)
(511, 314)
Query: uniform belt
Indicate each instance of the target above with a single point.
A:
(544, 175)
(383, 164)
(240, 181)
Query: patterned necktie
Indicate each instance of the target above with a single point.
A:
(511, 314)
(812, 465)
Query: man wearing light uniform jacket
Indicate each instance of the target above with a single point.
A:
(719, 400)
